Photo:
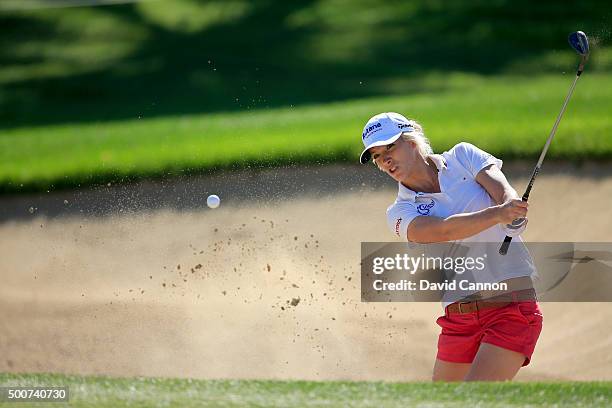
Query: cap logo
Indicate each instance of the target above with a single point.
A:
(366, 132)
(405, 126)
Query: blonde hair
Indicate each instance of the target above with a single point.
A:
(417, 136)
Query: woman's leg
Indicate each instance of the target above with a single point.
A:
(493, 363)
(447, 371)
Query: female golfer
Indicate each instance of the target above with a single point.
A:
(461, 195)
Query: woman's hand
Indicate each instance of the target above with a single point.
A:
(511, 210)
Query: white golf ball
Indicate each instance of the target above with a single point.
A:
(213, 201)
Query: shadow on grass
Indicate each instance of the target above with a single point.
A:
(273, 54)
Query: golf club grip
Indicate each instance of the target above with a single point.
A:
(503, 249)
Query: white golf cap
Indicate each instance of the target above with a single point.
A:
(383, 129)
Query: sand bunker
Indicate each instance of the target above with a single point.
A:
(266, 286)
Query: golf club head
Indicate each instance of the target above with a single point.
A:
(579, 42)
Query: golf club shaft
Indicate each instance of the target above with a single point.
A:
(503, 250)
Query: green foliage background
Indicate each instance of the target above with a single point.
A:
(89, 94)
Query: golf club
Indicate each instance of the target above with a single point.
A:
(579, 42)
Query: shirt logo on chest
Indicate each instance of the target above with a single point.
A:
(425, 209)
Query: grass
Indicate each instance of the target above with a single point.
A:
(153, 392)
(509, 116)
(96, 94)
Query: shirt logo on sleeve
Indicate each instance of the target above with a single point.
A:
(425, 209)
(397, 226)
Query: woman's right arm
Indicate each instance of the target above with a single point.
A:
(425, 230)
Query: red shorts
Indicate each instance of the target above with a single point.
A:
(514, 327)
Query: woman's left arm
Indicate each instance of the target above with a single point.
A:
(495, 183)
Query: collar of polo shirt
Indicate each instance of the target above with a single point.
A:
(407, 194)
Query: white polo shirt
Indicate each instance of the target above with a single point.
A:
(460, 193)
